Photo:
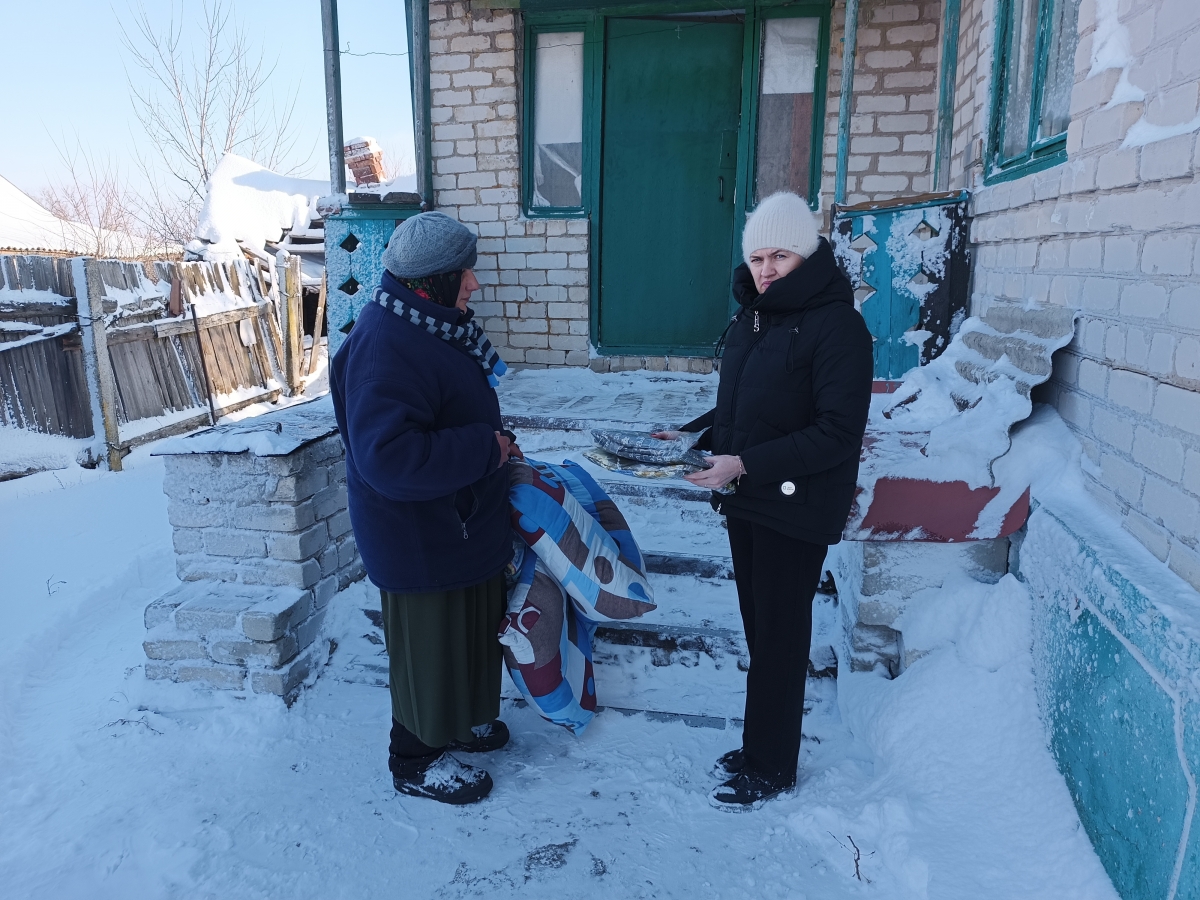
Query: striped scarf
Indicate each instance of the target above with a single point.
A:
(468, 337)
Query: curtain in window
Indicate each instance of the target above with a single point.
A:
(558, 120)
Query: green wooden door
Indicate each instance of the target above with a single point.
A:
(672, 96)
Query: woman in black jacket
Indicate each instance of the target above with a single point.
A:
(786, 435)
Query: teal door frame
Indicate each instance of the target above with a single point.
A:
(591, 19)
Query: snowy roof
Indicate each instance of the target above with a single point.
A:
(27, 226)
(249, 204)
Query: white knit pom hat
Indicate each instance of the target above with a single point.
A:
(782, 221)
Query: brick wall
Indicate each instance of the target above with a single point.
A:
(534, 273)
(262, 543)
(241, 518)
(972, 97)
(895, 100)
(1113, 232)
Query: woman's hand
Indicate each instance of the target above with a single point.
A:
(721, 470)
(666, 435)
(508, 449)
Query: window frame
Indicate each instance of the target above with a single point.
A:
(752, 81)
(1039, 153)
(557, 24)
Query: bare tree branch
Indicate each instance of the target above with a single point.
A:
(98, 209)
(197, 106)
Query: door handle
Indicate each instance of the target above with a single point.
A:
(720, 188)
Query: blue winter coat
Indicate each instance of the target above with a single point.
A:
(428, 499)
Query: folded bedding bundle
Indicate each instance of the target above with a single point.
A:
(577, 564)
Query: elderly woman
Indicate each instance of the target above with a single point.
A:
(786, 436)
(414, 391)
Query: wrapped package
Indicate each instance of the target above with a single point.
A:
(641, 447)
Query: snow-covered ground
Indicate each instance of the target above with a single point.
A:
(937, 784)
(23, 451)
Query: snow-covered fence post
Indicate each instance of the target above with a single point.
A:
(288, 294)
(294, 286)
(89, 295)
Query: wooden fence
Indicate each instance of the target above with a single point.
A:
(136, 352)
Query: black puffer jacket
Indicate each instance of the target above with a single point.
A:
(793, 400)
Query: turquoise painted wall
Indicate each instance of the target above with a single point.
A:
(1119, 686)
(355, 239)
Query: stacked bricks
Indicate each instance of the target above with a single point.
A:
(894, 112)
(695, 365)
(263, 543)
(533, 272)
(365, 159)
(1114, 232)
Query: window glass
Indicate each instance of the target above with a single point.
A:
(1034, 81)
(785, 106)
(1060, 70)
(558, 120)
(1018, 82)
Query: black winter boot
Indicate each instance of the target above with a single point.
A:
(729, 764)
(442, 778)
(749, 789)
(489, 737)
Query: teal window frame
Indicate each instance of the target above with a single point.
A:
(558, 24)
(1040, 152)
(756, 18)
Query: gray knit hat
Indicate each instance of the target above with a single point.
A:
(431, 243)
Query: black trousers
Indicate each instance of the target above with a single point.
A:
(777, 577)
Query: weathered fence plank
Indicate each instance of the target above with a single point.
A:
(152, 358)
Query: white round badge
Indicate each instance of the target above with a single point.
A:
(787, 488)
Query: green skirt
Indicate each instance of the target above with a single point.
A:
(444, 660)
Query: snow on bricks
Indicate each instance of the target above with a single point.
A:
(263, 542)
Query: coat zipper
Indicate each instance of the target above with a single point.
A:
(737, 379)
(474, 509)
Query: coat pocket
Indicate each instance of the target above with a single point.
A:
(790, 490)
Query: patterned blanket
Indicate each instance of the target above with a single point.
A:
(577, 564)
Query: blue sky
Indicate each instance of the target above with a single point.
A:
(62, 74)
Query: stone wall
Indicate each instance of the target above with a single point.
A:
(1113, 233)
(895, 100)
(263, 543)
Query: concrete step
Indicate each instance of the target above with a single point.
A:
(685, 660)
(688, 564)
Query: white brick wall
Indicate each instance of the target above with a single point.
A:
(895, 100)
(1115, 233)
(533, 272)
